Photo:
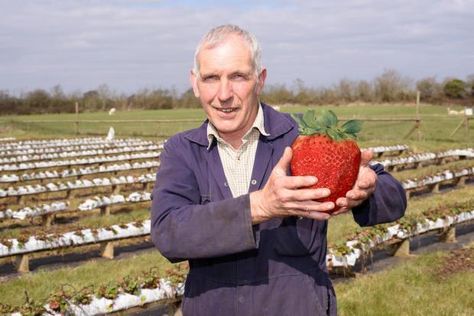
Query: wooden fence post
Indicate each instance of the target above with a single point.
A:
(77, 119)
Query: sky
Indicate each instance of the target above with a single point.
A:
(130, 45)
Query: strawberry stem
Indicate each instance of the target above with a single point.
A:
(326, 124)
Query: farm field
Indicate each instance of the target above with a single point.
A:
(436, 125)
(90, 205)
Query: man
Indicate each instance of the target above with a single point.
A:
(255, 237)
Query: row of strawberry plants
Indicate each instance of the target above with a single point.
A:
(104, 147)
(42, 242)
(426, 157)
(446, 175)
(390, 150)
(82, 142)
(78, 184)
(76, 162)
(122, 294)
(347, 253)
(73, 172)
(85, 205)
(75, 154)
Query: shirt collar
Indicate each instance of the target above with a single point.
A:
(258, 124)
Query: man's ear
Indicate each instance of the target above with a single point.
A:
(261, 80)
(193, 78)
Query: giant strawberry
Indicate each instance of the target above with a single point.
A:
(327, 151)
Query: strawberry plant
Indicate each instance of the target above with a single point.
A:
(109, 291)
(150, 280)
(327, 151)
(130, 285)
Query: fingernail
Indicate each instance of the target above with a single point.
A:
(314, 180)
(330, 205)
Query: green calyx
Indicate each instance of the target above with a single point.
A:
(326, 124)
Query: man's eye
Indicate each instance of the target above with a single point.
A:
(238, 77)
(210, 78)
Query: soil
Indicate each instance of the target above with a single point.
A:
(458, 260)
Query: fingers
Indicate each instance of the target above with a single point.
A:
(305, 194)
(309, 206)
(284, 163)
(296, 182)
(365, 157)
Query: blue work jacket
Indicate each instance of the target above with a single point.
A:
(274, 268)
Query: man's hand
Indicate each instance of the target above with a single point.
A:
(363, 188)
(288, 195)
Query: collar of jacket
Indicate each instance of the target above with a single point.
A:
(275, 124)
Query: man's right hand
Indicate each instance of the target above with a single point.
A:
(285, 195)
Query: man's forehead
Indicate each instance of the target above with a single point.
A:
(229, 54)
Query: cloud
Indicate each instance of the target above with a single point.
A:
(136, 44)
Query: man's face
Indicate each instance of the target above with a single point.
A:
(228, 87)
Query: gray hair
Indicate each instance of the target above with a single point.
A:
(220, 33)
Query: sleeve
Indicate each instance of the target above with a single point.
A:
(181, 226)
(386, 204)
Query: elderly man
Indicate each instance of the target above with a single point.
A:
(254, 236)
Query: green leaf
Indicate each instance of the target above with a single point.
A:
(333, 134)
(352, 127)
(328, 118)
(298, 118)
(309, 118)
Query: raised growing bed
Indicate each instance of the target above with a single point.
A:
(418, 160)
(432, 183)
(397, 236)
(106, 237)
(79, 172)
(48, 211)
(77, 162)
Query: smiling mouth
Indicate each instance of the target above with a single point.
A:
(226, 110)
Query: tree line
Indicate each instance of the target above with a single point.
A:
(390, 86)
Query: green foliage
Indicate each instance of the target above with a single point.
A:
(326, 124)
(455, 88)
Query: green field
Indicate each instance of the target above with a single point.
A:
(434, 132)
(412, 283)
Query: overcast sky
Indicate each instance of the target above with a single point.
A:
(135, 44)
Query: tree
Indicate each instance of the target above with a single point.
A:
(430, 90)
(455, 88)
(364, 91)
(391, 86)
(37, 101)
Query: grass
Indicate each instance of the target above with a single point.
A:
(410, 288)
(41, 284)
(435, 129)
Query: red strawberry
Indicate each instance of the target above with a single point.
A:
(328, 152)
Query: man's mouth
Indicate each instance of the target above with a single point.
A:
(226, 110)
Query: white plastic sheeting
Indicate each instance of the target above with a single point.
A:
(350, 259)
(77, 184)
(85, 236)
(437, 178)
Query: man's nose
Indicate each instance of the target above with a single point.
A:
(225, 90)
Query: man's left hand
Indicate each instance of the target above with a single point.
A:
(363, 187)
